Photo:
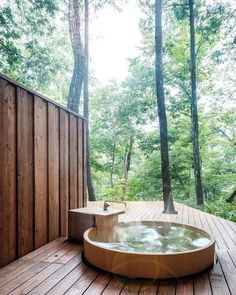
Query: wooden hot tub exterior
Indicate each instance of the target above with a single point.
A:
(157, 265)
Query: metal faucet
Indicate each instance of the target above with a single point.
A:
(105, 206)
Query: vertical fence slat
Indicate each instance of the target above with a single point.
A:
(85, 163)
(8, 235)
(73, 162)
(40, 156)
(25, 190)
(80, 162)
(53, 171)
(64, 172)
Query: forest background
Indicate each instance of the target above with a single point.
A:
(35, 49)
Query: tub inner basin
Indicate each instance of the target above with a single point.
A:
(150, 238)
(150, 249)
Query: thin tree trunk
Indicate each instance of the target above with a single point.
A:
(127, 162)
(178, 177)
(194, 112)
(91, 192)
(112, 164)
(79, 58)
(167, 194)
(231, 197)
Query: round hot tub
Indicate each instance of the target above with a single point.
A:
(150, 249)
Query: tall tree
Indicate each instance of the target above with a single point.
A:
(127, 163)
(167, 194)
(80, 70)
(194, 112)
(75, 10)
(90, 186)
(75, 7)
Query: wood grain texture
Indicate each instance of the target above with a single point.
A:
(25, 183)
(33, 92)
(53, 171)
(64, 172)
(8, 204)
(73, 178)
(66, 274)
(85, 163)
(80, 164)
(40, 148)
(41, 172)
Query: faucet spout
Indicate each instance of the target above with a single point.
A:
(105, 206)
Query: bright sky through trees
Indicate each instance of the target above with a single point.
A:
(115, 37)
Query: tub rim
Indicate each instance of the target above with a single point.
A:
(178, 224)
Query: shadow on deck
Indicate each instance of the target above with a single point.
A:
(57, 267)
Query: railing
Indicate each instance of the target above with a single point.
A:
(42, 169)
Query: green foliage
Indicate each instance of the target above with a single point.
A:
(216, 120)
(35, 49)
(222, 209)
(31, 45)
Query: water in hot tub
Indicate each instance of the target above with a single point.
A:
(141, 238)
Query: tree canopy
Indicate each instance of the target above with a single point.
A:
(35, 49)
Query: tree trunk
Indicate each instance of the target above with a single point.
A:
(91, 192)
(167, 194)
(78, 53)
(194, 112)
(231, 197)
(112, 164)
(127, 162)
(178, 177)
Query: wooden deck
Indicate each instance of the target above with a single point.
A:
(57, 268)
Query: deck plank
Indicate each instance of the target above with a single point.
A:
(65, 284)
(167, 287)
(227, 228)
(5, 270)
(56, 277)
(15, 272)
(184, 286)
(58, 254)
(99, 284)
(218, 282)
(229, 270)
(131, 287)
(36, 280)
(114, 287)
(69, 255)
(50, 252)
(43, 249)
(149, 288)
(22, 278)
(83, 282)
(201, 284)
(57, 268)
(229, 239)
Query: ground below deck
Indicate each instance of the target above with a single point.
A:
(57, 268)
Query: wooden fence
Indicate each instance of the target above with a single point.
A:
(42, 169)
